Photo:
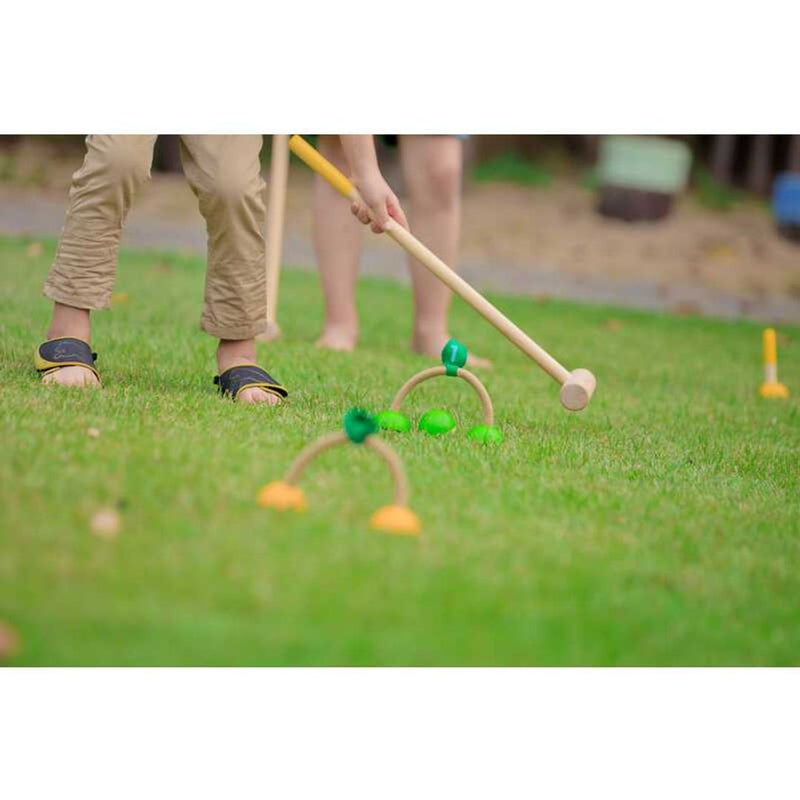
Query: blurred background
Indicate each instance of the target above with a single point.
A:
(694, 225)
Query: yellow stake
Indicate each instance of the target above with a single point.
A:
(771, 387)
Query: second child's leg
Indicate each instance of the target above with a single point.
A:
(432, 167)
(337, 242)
(225, 174)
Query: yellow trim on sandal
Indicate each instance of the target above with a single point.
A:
(252, 376)
(45, 366)
(267, 387)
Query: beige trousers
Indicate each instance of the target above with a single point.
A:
(224, 172)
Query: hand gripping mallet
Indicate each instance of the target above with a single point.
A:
(577, 387)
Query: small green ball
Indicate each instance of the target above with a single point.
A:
(486, 434)
(436, 422)
(394, 421)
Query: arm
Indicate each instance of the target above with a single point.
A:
(380, 203)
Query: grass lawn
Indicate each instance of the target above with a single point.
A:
(660, 526)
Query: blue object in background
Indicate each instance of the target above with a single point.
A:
(786, 198)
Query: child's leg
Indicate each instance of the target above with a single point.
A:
(82, 275)
(432, 167)
(225, 174)
(337, 242)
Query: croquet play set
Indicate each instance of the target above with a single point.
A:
(771, 387)
(360, 427)
(577, 386)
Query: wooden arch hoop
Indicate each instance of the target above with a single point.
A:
(433, 372)
(372, 442)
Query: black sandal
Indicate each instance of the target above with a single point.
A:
(64, 352)
(247, 376)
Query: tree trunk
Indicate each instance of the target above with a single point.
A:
(722, 159)
(793, 161)
(759, 166)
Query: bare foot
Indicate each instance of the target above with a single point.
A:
(338, 339)
(433, 347)
(71, 376)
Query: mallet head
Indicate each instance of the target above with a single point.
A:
(577, 390)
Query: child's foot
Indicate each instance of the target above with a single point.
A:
(70, 323)
(338, 338)
(235, 353)
(71, 376)
(254, 396)
(432, 346)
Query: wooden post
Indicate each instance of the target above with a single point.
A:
(276, 206)
(771, 387)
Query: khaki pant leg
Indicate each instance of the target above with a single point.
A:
(102, 190)
(225, 174)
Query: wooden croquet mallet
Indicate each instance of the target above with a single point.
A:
(771, 387)
(577, 387)
(276, 206)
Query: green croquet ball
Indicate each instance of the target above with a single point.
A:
(486, 434)
(393, 421)
(437, 421)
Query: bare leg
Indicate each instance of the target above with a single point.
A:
(235, 352)
(74, 322)
(432, 167)
(69, 321)
(337, 243)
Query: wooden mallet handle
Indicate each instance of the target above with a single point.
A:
(577, 387)
(278, 177)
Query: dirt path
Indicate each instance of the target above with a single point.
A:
(515, 240)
